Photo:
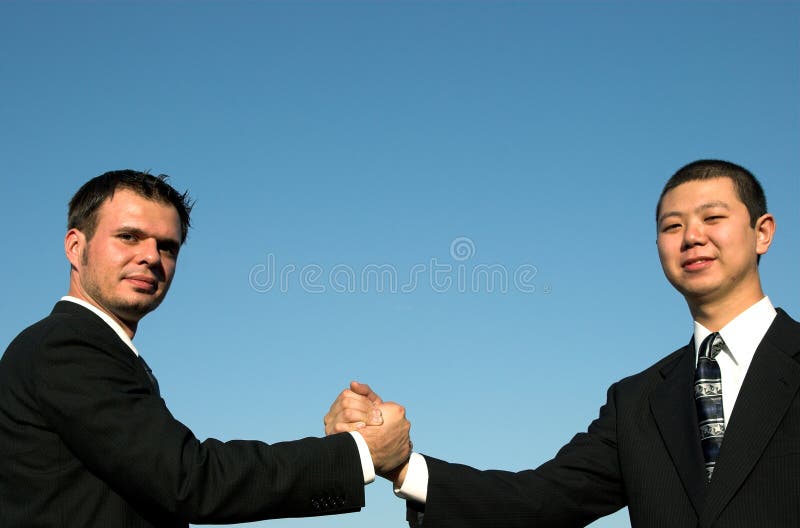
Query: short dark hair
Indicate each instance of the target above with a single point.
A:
(83, 207)
(747, 186)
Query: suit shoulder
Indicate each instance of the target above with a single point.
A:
(784, 333)
(63, 324)
(32, 336)
(786, 320)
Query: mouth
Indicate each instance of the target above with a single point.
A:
(142, 282)
(697, 263)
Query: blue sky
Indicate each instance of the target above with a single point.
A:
(352, 146)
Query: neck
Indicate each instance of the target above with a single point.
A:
(715, 314)
(129, 327)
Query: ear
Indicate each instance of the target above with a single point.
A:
(74, 246)
(765, 230)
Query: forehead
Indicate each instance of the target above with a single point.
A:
(693, 193)
(128, 209)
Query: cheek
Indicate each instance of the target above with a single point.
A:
(169, 271)
(108, 264)
(664, 252)
(669, 257)
(732, 244)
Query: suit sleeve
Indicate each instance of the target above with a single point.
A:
(579, 485)
(96, 399)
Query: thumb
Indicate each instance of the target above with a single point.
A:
(364, 390)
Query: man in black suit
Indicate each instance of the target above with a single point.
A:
(85, 438)
(707, 437)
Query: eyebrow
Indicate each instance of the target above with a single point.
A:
(170, 243)
(707, 205)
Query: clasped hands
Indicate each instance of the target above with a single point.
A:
(382, 424)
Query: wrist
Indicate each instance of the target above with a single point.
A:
(398, 475)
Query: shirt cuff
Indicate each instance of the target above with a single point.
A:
(415, 486)
(366, 458)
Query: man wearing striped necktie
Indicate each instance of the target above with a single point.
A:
(707, 437)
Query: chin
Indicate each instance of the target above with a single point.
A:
(700, 294)
(698, 283)
(135, 310)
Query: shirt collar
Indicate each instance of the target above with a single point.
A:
(105, 317)
(743, 334)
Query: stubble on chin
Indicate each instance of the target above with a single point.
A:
(127, 309)
(138, 308)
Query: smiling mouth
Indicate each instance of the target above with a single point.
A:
(697, 264)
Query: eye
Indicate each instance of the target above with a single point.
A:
(128, 237)
(666, 228)
(169, 249)
(714, 218)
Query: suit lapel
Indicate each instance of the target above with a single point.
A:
(115, 344)
(673, 408)
(771, 383)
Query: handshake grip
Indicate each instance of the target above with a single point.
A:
(383, 425)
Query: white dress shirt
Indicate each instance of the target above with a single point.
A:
(741, 336)
(367, 468)
(105, 317)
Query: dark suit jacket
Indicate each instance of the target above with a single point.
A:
(643, 451)
(86, 441)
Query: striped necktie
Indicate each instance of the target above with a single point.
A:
(708, 399)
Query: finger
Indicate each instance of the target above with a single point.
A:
(352, 419)
(392, 411)
(364, 390)
(372, 416)
(343, 427)
(349, 400)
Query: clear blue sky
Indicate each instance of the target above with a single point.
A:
(334, 142)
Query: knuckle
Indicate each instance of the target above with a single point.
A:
(349, 401)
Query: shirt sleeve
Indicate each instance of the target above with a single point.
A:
(415, 485)
(366, 459)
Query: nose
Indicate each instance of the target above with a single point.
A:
(694, 234)
(148, 252)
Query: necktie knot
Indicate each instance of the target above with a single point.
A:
(711, 346)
